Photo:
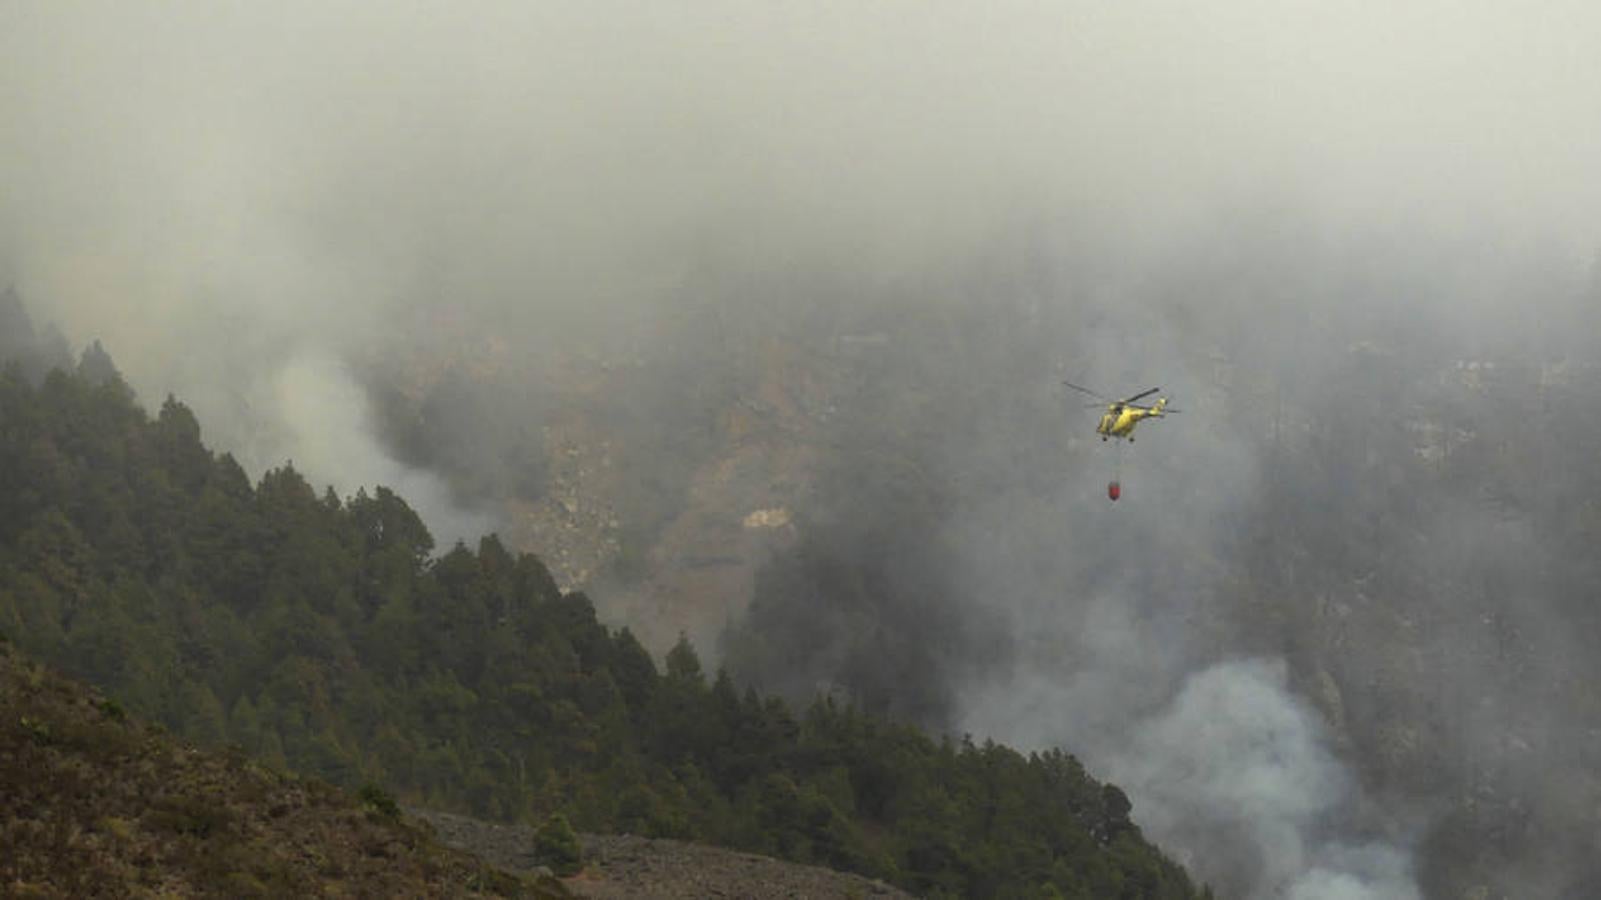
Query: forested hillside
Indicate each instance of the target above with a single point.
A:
(324, 634)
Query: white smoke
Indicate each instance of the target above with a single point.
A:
(1365, 872)
(1232, 775)
(1236, 768)
(328, 422)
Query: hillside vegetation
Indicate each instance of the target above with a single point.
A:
(324, 635)
(99, 804)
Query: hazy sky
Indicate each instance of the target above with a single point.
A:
(306, 165)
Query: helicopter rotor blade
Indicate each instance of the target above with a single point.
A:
(1148, 393)
(1085, 390)
(1152, 409)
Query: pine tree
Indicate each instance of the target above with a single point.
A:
(556, 846)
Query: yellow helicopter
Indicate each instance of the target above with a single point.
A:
(1122, 415)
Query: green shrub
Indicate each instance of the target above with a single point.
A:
(38, 730)
(557, 846)
(380, 800)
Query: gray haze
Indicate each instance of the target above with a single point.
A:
(257, 206)
(293, 172)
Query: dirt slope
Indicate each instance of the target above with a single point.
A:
(624, 866)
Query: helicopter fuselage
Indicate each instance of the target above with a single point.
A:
(1120, 418)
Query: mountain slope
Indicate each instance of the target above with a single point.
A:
(98, 803)
(322, 635)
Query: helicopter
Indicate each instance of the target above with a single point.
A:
(1122, 415)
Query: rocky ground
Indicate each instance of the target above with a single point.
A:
(619, 866)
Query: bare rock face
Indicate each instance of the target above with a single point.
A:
(1329, 700)
(574, 527)
(690, 566)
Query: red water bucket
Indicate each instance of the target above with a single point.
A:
(1114, 490)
